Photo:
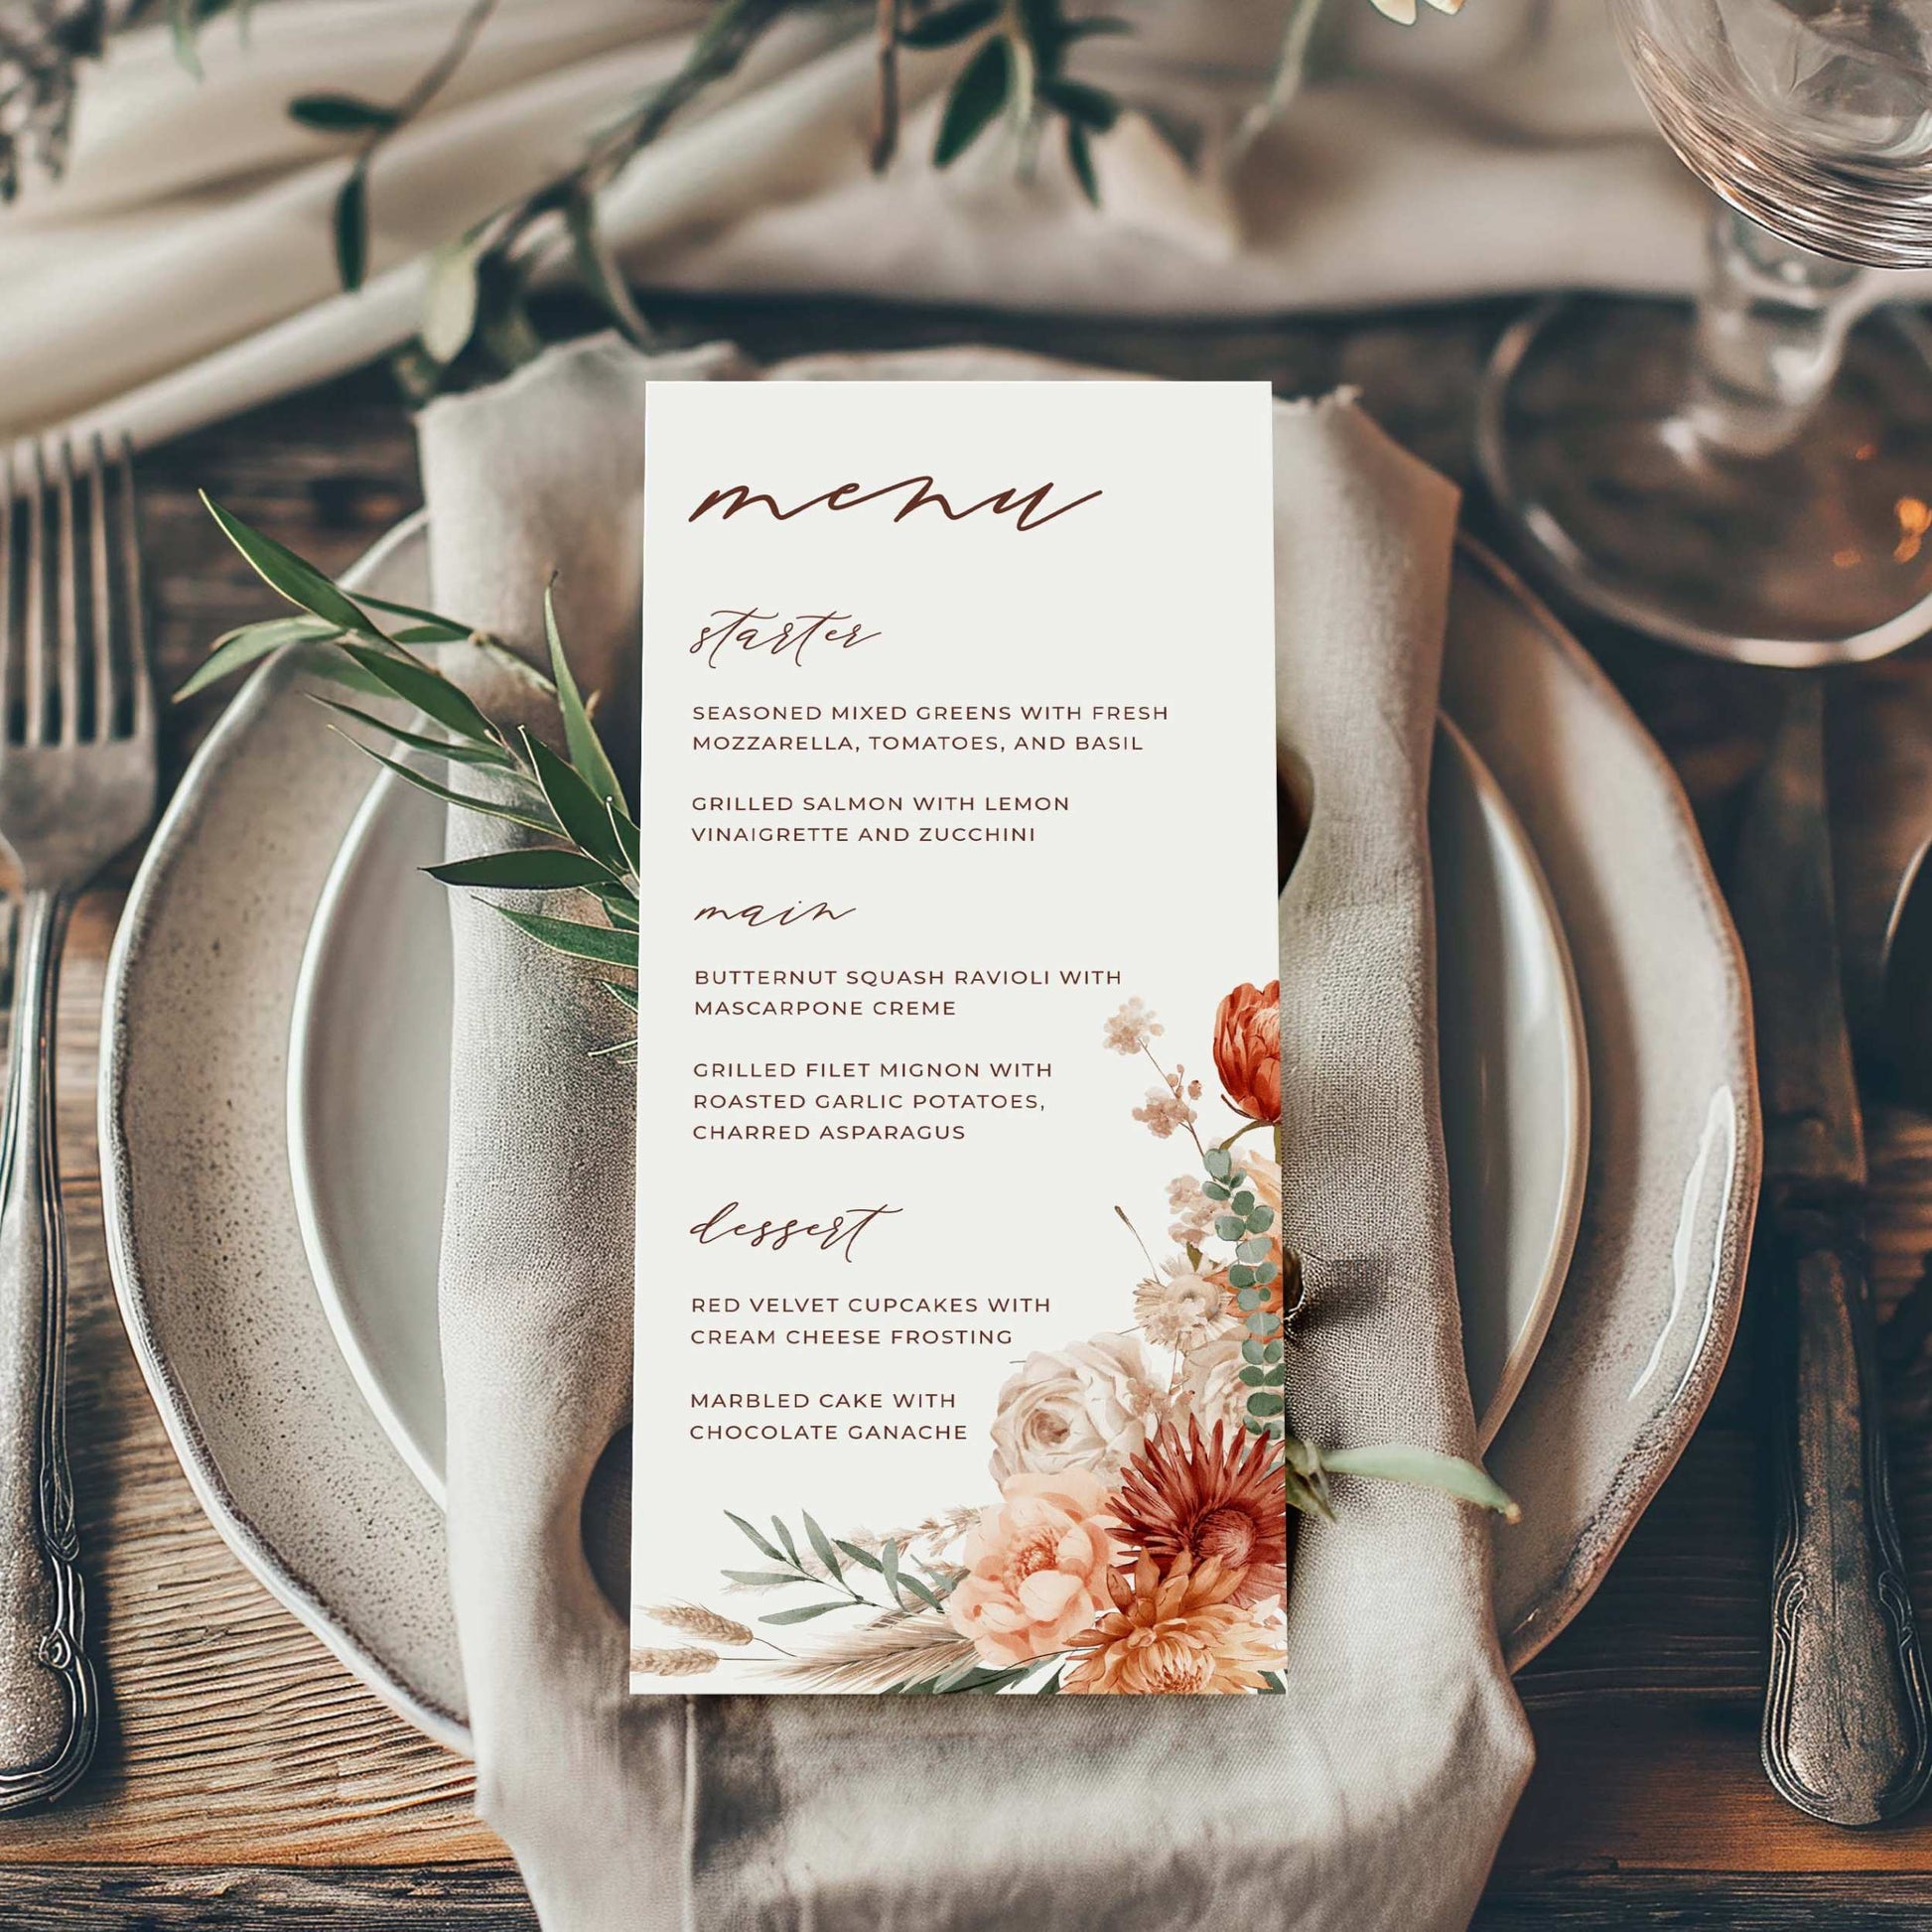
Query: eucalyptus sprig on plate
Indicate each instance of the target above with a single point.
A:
(571, 801)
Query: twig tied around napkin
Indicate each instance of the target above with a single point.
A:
(1370, 1798)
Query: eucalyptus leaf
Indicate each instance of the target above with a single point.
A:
(784, 1537)
(861, 1556)
(601, 943)
(756, 1536)
(822, 1543)
(1424, 1469)
(1218, 1161)
(905, 1580)
(289, 575)
(889, 1568)
(977, 96)
(805, 1612)
(759, 1578)
(586, 753)
(528, 868)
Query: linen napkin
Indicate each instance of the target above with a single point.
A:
(1372, 1795)
(183, 269)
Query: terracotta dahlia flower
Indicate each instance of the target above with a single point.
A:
(1220, 1498)
(1176, 1630)
(1248, 1050)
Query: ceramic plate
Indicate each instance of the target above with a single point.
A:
(370, 1071)
(290, 1460)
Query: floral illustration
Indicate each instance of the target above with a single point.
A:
(1137, 1540)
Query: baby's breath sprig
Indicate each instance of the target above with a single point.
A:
(573, 801)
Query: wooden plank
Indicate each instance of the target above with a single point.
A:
(124, 1898)
(1664, 1786)
(232, 1734)
(1615, 1901)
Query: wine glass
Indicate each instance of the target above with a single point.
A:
(1754, 480)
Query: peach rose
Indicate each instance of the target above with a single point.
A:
(1036, 1566)
(1248, 1050)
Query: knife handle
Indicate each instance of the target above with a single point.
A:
(1847, 1717)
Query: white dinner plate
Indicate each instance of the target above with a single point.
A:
(297, 1474)
(369, 1073)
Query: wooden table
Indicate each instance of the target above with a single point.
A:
(246, 1780)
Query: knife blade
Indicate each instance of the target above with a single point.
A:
(1848, 1716)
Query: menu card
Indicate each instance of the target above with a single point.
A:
(960, 1282)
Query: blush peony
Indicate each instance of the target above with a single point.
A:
(1036, 1568)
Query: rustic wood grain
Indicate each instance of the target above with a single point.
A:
(248, 1780)
(122, 1898)
(1731, 1901)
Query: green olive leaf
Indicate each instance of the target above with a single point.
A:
(289, 575)
(1424, 1469)
(586, 753)
(601, 943)
(977, 96)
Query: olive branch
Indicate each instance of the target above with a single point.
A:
(573, 801)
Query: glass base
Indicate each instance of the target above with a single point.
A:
(1819, 553)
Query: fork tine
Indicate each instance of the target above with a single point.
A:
(66, 597)
(101, 592)
(8, 589)
(137, 614)
(9, 943)
(36, 640)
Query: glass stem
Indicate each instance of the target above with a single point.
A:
(1771, 324)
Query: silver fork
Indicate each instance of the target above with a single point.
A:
(77, 785)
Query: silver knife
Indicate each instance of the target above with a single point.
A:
(1848, 1718)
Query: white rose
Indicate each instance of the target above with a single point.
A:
(1091, 1406)
(1214, 1391)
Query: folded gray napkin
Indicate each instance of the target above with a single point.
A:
(1373, 1796)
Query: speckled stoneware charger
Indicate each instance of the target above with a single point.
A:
(304, 1483)
(369, 1069)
